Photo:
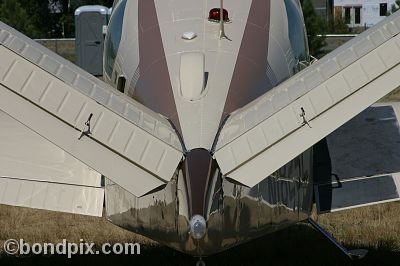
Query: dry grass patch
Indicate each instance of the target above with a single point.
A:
(393, 96)
(38, 226)
(376, 226)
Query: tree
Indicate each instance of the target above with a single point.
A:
(44, 18)
(16, 15)
(316, 29)
(77, 3)
(395, 6)
(338, 25)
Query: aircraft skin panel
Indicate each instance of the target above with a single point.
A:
(128, 51)
(353, 78)
(142, 161)
(279, 43)
(52, 196)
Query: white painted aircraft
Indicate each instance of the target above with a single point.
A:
(211, 133)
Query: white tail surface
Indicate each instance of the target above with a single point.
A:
(121, 139)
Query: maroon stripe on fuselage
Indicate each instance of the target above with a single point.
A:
(250, 79)
(153, 88)
(197, 173)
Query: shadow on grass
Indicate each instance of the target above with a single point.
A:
(298, 245)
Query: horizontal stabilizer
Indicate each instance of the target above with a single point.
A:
(269, 132)
(119, 138)
(35, 173)
(26, 155)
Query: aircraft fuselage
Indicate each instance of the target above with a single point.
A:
(172, 57)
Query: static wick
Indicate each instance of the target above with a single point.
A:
(303, 115)
(87, 127)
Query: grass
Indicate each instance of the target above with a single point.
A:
(376, 228)
(52, 227)
(393, 96)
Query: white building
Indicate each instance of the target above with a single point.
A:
(361, 13)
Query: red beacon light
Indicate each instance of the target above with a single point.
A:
(215, 15)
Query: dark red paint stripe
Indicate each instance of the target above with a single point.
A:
(250, 80)
(197, 173)
(153, 88)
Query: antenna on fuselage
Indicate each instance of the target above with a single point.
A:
(221, 22)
